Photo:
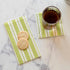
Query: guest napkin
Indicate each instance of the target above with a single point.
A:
(13, 27)
(42, 33)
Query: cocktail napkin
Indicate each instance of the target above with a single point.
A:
(13, 27)
(42, 33)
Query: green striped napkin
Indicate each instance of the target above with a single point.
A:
(13, 27)
(57, 31)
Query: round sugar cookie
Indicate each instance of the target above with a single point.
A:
(22, 44)
(23, 34)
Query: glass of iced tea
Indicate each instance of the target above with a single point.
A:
(50, 17)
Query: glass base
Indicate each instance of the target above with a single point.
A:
(49, 27)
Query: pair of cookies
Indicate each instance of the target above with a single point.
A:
(22, 40)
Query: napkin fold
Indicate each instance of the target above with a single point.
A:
(42, 33)
(13, 27)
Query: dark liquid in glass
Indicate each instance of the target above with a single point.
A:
(51, 16)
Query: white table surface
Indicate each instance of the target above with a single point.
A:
(55, 52)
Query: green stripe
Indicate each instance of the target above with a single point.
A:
(33, 38)
(15, 26)
(42, 28)
(13, 43)
(58, 29)
(30, 41)
(17, 30)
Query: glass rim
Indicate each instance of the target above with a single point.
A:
(54, 10)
